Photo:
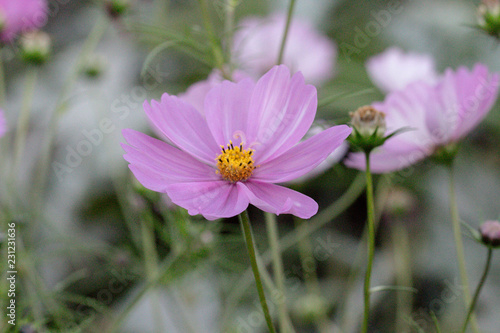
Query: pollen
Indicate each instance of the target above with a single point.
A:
(235, 163)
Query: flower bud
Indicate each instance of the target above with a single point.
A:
(310, 307)
(117, 8)
(490, 233)
(368, 128)
(488, 17)
(35, 47)
(368, 121)
(94, 65)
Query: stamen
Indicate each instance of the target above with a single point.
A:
(234, 163)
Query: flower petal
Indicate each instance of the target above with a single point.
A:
(475, 94)
(279, 200)
(184, 126)
(227, 110)
(213, 200)
(156, 163)
(302, 158)
(284, 110)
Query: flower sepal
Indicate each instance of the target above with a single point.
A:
(488, 234)
(367, 143)
(446, 154)
(489, 17)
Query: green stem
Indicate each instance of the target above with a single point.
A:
(151, 262)
(228, 32)
(478, 289)
(247, 232)
(457, 233)
(285, 33)
(272, 232)
(60, 108)
(370, 207)
(322, 218)
(2, 80)
(23, 120)
(216, 49)
(308, 263)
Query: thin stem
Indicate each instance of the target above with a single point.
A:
(228, 32)
(457, 233)
(272, 232)
(23, 120)
(478, 289)
(308, 263)
(216, 49)
(247, 232)
(88, 47)
(370, 208)
(326, 215)
(285, 33)
(151, 262)
(2, 80)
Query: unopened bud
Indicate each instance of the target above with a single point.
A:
(35, 47)
(368, 121)
(490, 233)
(399, 201)
(94, 65)
(117, 8)
(310, 307)
(488, 17)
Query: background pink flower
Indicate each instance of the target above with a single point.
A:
(258, 124)
(394, 69)
(19, 16)
(258, 40)
(438, 115)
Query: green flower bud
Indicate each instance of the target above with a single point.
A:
(490, 233)
(117, 8)
(368, 121)
(488, 17)
(35, 47)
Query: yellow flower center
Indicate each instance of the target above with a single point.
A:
(235, 163)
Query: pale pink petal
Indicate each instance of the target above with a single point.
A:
(394, 69)
(182, 124)
(302, 158)
(196, 93)
(19, 16)
(284, 110)
(279, 200)
(257, 43)
(227, 111)
(156, 163)
(213, 200)
(475, 93)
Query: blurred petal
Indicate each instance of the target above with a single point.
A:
(182, 124)
(302, 158)
(284, 110)
(280, 200)
(394, 69)
(156, 163)
(213, 200)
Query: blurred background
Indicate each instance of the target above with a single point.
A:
(82, 262)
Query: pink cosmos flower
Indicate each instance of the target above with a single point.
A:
(3, 124)
(438, 115)
(257, 44)
(17, 16)
(394, 69)
(232, 156)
